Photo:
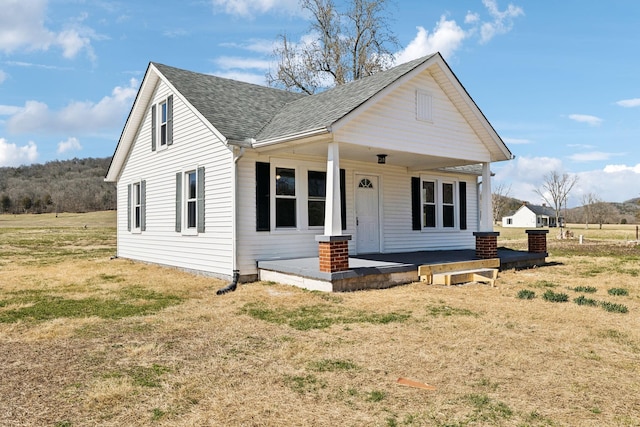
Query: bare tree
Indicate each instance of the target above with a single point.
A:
(555, 190)
(348, 45)
(603, 212)
(500, 199)
(588, 202)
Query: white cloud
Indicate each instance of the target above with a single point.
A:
(593, 156)
(71, 144)
(77, 117)
(22, 27)
(8, 110)
(502, 20)
(622, 168)
(585, 118)
(249, 8)
(446, 38)
(629, 103)
(12, 155)
(242, 76)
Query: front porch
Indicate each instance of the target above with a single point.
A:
(378, 271)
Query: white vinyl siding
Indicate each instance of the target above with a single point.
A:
(391, 124)
(397, 234)
(209, 252)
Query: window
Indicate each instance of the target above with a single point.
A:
(439, 202)
(286, 212)
(163, 124)
(317, 191)
(190, 201)
(136, 206)
(429, 204)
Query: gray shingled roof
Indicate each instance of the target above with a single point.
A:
(542, 210)
(242, 110)
(237, 109)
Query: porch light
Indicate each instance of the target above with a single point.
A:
(382, 159)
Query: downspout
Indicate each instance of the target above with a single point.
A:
(234, 242)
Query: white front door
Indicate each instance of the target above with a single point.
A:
(367, 217)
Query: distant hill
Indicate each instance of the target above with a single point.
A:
(75, 185)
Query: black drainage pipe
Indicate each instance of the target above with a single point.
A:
(231, 286)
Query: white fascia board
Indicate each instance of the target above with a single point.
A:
(293, 137)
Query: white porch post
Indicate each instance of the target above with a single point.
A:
(332, 216)
(486, 210)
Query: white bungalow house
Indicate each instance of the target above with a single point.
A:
(531, 216)
(214, 175)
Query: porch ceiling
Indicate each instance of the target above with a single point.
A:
(359, 153)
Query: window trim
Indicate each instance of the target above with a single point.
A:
(183, 200)
(302, 194)
(439, 182)
(163, 113)
(136, 205)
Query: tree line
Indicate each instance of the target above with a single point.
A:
(75, 185)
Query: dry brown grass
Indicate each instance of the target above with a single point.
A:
(494, 359)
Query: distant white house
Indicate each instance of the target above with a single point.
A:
(532, 216)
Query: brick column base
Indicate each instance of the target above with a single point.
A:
(537, 241)
(486, 244)
(333, 252)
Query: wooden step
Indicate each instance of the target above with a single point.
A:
(451, 273)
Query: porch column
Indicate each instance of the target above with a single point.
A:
(333, 246)
(486, 210)
(332, 216)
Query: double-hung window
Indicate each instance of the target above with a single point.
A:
(163, 124)
(439, 201)
(190, 207)
(191, 199)
(136, 206)
(317, 191)
(286, 209)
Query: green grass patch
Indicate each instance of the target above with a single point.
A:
(319, 316)
(582, 300)
(614, 308)
(304, 384)
(486, 410)
(526, 294)
(376, 396)
(585, 289)
(618, 292)
(445, 310)
(40, 306)
(147, 376)
(551, 296)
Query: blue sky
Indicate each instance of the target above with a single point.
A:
(559, 81)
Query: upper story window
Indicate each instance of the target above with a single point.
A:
(162, 124)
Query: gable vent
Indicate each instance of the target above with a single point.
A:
(424, 103)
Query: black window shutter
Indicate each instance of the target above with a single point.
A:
(178, 202)
(200, 199)
(143, 205)
(153, 128)
(415, 203)
(170, 120)
(462, 192)
(263, 196)
(343, 199)
(129, 207)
